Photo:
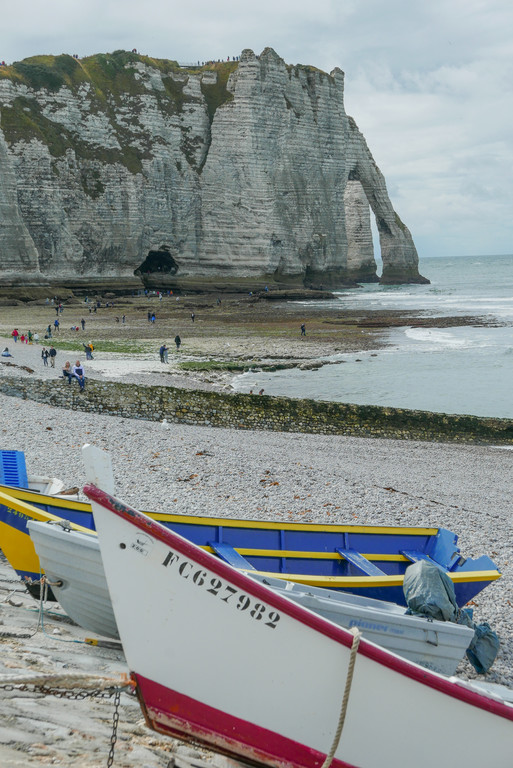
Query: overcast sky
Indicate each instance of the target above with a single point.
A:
(429, 83)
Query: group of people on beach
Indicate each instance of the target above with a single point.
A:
(49, 354)
(77, 372)
(164, 349)
(25, 338)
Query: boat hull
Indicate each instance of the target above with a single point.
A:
(72, 562)
(304, 553)
(222, 659)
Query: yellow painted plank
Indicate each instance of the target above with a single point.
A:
(30, 497)
(353, 582)
(17, 506)
(307, 554)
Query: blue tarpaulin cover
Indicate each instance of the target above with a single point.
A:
(430, 592)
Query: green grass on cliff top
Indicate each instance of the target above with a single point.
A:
(109, 73)
(113, 78)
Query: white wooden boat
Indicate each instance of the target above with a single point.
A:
(436, 645)
(221, 659)
(73, 565)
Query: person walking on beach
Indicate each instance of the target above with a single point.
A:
(88, 348)
(56, 324)
(178, 341)
(52, 354)
(161, 352)
(29, 337)
(15, 335)
(78, 372)
(303, 329)
(44, 356)
(82, 323)
(192, 316)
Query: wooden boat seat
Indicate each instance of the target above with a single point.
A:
(414, 555)
(360, 562)
(13, 470)
(230, 555)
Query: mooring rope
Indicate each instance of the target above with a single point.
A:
(82, 680)
(345, 700)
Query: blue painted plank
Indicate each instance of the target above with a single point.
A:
(360, 562)
(415, 555)
(227, 553)
(13, 470)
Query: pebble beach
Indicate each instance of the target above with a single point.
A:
(221, 472)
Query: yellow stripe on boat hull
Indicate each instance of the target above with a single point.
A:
(35, 498)
(17, 545)
(367, 582)
(31, 497)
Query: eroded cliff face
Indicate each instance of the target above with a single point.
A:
(232, 170)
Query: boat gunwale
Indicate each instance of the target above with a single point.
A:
(83, 506)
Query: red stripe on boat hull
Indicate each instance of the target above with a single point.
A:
(175, 714)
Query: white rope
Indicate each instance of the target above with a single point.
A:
(76, 680)
(345, 700)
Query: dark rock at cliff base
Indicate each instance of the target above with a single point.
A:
(295, 295)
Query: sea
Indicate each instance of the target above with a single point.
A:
(464, 370)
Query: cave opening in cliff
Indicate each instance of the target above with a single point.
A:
(159, 261)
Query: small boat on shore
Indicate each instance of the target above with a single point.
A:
(360, 559)
(436, 645)
(220, 659)
(72, 563)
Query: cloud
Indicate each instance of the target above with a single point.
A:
(429, 84)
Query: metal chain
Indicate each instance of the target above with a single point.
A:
(79, 695)
(115, 722)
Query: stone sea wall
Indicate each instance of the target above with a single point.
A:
(259, 412)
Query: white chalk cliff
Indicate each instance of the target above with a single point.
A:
(230, 170)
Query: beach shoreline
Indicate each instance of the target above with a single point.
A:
(216, 338)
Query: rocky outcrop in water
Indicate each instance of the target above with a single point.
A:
(250, 169)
